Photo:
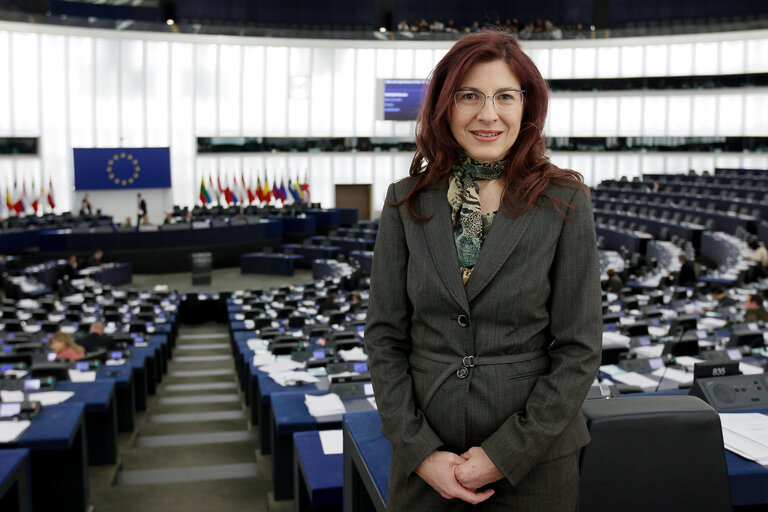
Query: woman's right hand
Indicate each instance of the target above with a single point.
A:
(438, 471)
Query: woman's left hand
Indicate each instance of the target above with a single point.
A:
(477, 470)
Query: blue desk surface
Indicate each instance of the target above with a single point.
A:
(10, 461)
(121, 375)
(54, 428)
(323, 474)
(291, 412)
(375, 449)
(95, 395)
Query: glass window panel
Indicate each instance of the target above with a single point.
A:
(606, 116)
(299, 91)
(704, 115)
(756, 118)
(731, 57)
(321, 181)
(559, 118)
(385, 68)
(26, 80)
(628, 165)
(583, 163)
(54, 142)
(423, 61)
(681, 59)
(630, 115)
(343, 105)
(632, 61)
(80, 61)
(540, 57)
(706, 59)
(562, 160)
(754, 162)
(343, 170)
(604, 167)
(365, 84)
(655, 116)
(5, 86)
(322, 91)
(132, 93)
(205, 90)
(699, 163)
(607, 62)
(652, 163)
(730, 119)
(403, 64)
(107, 88)
(679, 116)
(727, 161)
(363, 171)
(157, 94)
(253, 89)
(757, 49)
(583, 117)
(229, 90)
(183, 141)
(276, 91)
(675, 164)
(656, 59)
(584, 62)
(562, 63)
(382, 176)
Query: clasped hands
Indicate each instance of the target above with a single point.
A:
(460, 476)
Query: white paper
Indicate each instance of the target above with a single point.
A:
(282, 365)
(709, 322)
(635, 379)
(688, 361)
(615, 340)
(78, 376)
(648, 351)
(612, 369)
(353, 354)
(51, 397)
(115, 362)
(11, 430)
(324, 405)
(292, 378)
(257, 343)
(746, 434)
(332, 441)
(748, 369)
(657, 331)
(263, 359)
(11, 396)
(674, 374)
(372, 401)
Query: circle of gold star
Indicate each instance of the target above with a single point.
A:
(133, 162)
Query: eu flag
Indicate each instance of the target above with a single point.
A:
(121, 168)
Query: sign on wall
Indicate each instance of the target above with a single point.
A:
(122, 168)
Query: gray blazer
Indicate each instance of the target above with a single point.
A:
(536, 285)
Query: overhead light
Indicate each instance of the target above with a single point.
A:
(169, 21)
(382, 29)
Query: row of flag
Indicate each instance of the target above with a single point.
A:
(18, 199)
(261, 192)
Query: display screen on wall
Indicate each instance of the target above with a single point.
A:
(121, 168)
(402, 98)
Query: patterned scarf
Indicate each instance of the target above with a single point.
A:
(469, 225)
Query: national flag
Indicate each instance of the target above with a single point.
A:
(259, 189)
(266, 192)
(251, 195)
(305, 190)
(294, 193)
(214, 194)
(204, 197)
(222, 192)
(35, 197)
(8, 198)
(283, 193)
(19, 205)
(297, 188)
(275, 190)
(51, 202)
(234, 192)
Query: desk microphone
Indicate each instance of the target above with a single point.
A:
(669, 359)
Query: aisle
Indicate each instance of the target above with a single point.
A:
(193, 449)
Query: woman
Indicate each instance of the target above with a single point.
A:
(484, 321)
(65, 347)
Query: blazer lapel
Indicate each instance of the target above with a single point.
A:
(439, 234)
(502, 239)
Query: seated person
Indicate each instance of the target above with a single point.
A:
(614, 284)
(687, 275)
(96, 259)
(755, 310)
(72, 268)
(718, 293)
(65, 347)
(96, 339)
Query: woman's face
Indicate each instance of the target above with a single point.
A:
(487, 134)
(57, 345)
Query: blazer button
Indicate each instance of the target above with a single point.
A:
(462, 373)
(463, 320)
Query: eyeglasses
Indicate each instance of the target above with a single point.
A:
(472, 101)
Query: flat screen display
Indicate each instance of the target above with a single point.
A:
(402, 98)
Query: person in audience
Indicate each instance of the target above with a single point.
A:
(96, 259)
(168, 219)
(437, 26)
(96, 339)
(85, 207)
(65, 347)
(720, 294)
(484, 322)
(402, 26)
(614, 284)
(755, 311)
(451, 26)
(759, 254)
(687, 274)
(126, 223)
(142, 208)
(72, 268)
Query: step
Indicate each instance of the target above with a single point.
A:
(203, 386)
(187, 474)
(191, 427)
(182, 417)
(201, 373)
(204, 336)
(201, 359)
(162, 457)
(204, 346)
(194, 439)
(198, 399)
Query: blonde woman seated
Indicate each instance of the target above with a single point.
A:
(65, 347)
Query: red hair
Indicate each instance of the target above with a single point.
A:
(529, 172)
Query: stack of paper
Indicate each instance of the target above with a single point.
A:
(332, 441)
(51, 397)
(282, 365)
(263, 359)
(78, 376)
(635, 379)
(746, 434)
(353, 354)
(324, 405)
(292, 378)
(11, 430)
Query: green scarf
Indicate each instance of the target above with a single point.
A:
(469, 225)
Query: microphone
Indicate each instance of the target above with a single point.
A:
(669, 359)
